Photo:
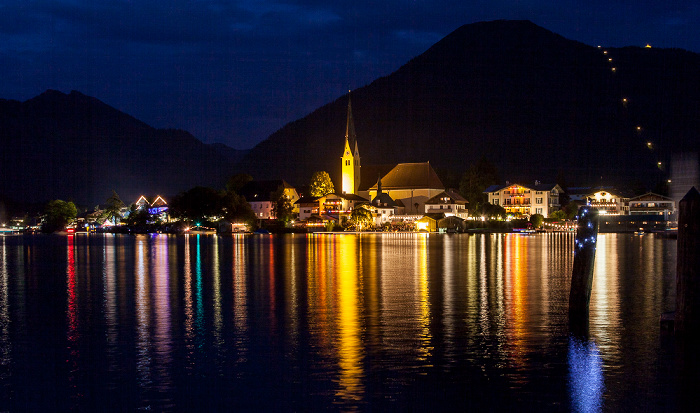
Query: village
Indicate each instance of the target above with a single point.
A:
(405, 197)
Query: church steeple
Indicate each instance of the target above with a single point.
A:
(351, 156)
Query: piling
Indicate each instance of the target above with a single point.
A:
(687, 318)
(582, 273)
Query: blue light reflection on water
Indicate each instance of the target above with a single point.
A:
(396, 321)
(586, 382)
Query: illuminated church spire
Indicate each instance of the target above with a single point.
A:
(351, 157)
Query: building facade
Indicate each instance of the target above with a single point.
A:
(521, 200)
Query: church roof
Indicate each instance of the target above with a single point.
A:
(411, 176)
(383, 200)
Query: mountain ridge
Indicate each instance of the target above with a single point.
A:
(535, 103)
(73, 146)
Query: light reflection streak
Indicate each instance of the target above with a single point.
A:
(189, 311)
(73, 334)
(5, 342)
(586, 384)
(425, 347)
(143, 325)
(449, 316)
(200, 328)
(240, 298)
(517, 284)
(162, 339)
(605, 318)
(349, 346)
(218, 319)
(110, 303)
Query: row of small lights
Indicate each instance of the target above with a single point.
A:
(625, 101)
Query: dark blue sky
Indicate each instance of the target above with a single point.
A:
(236, 71)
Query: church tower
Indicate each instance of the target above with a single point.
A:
(351, 157)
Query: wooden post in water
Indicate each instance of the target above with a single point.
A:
(687, 319)
(582, 273)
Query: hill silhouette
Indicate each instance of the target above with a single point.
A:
(75, 147)
(534, 103)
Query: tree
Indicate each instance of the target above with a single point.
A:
(558, 215)
(282, 206)
(113, 209)
(536, 220)
(238, 181)
(361, 217)
(321, 184)
(491, 211)
(197, 204)
(236, 209)
(474, 181)
(58, 215)
(570, 210)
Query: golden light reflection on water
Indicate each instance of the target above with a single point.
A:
(516, 275)
(348, 342)
(240, 299)
(421, 279)
(604, 311)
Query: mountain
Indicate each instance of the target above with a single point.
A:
(72, 146)
(534, 103)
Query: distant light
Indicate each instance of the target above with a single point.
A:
(658, 163)
(605, 52)
(599, 47)
(649, 145)
(639, 128)
(669, 181)
(648, 46)
(624, 100)
(609, 59)
(613, 69)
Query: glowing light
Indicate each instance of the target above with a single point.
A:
(613, 69)
(648, 46)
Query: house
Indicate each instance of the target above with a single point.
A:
(429, 222)
(448, 202)
(157, 207)
(308, 206)
(607, 203)
(652, 204)
(259, 195)
(521, 200)
(340, 206)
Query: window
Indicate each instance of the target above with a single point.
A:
(538, 211)
(538, 200)
(495, 201)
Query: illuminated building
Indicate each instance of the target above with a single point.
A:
(607, 203)
(449, 203)
(350, 170)
(520, 200)
(259, 196)
(411, 183)
(157, 207)
(652, 204)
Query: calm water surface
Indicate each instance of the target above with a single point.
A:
(344, 322)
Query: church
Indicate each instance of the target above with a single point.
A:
(408, 185)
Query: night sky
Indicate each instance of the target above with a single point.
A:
(236, 71)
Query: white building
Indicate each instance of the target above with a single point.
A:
(524, 200)
(449, 203)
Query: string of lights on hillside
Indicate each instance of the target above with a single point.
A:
(639, 130)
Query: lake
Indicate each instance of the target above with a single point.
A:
(421, 322)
